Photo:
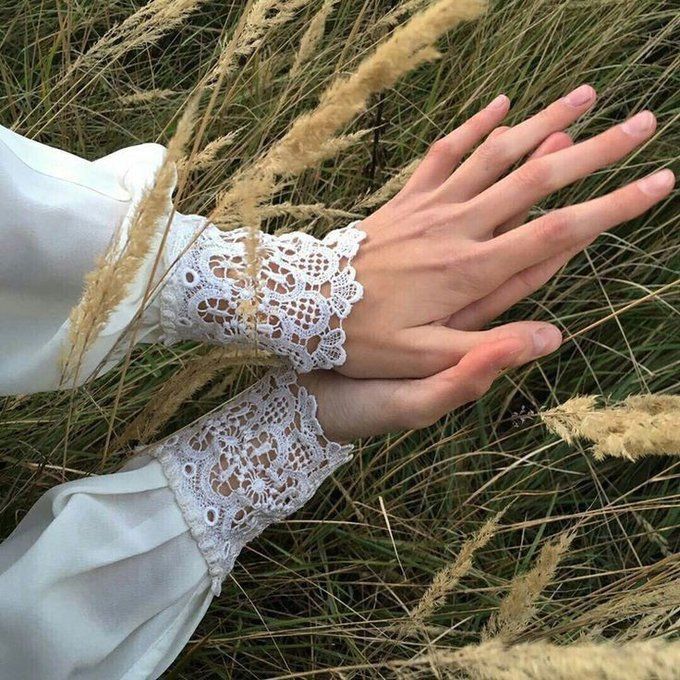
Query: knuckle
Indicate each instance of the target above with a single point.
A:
(495, 150)
(555, 227)
(444, 147)
(534, 174)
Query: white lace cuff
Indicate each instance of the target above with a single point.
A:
(304, 289)
(257, 460)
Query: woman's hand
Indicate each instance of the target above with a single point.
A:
(453, 249)
(349, 408)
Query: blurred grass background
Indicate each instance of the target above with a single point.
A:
(326, 590)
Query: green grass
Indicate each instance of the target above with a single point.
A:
(326, 589)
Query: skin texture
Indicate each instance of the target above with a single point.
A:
(458, 240)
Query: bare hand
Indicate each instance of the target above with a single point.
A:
(349, 408)
(453, 249)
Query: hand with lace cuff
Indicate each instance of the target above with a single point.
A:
(262, 456)
(440, 261)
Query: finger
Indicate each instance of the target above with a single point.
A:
(563, 229)
(432, 348)
(445, 154)
(425, 401)
(498, 131)
(498, 154)
(540, 177)
(481, 312)
(556, 142)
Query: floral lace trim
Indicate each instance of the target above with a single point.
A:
(304, 289)
(257, 460)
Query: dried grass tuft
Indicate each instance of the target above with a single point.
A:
(263, 16)
(639, 660)
(209, 153)
(449, 577)
(182, 386)
(108, 284)
(312, 37)
(641, 425)
(144, 96)
(519, 605)
(144, 27)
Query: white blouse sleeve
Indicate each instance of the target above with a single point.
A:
(107, 577)
(59, 213)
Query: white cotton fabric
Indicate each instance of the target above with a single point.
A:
(101, 580)
(59, 213)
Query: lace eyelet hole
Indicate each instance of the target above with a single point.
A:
(190, 277)
(211, 515)
(189, 469)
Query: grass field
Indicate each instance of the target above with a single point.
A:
(328, 593)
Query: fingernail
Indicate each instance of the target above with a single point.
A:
(500, 102)
(640, 123)
(580, 96)
(546, 340)
(657, 184)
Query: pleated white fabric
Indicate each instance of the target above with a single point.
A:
(59, 213)
(101, 580)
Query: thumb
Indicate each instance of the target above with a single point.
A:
(428, 399)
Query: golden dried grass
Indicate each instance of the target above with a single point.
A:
(519, 605)
(446, 580)
(263, 16)
(641, 425)
(182, 386)
(108, 284)
(143, 27)
(492, 660)
(312, 37)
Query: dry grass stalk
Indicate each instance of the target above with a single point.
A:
(393, 17)
(519, 605)
(312, 37)
(182, 386)
(209, 153)
(107, 285)
(305, 211)
(393, 186)
(448, 578)
(646, 600)
(652, 534)
(309, 139)
(144, 27)
(638, 660)
(263, 16)
(144, 96)
(639, 426)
